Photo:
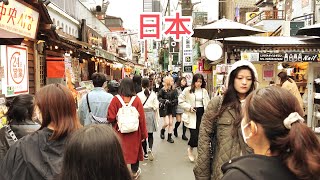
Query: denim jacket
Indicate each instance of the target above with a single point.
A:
(99, 101)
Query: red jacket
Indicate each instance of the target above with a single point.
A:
(130, 142)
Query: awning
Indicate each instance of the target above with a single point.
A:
(74, 40)
(272, 40)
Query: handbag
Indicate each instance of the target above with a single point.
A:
(213, 135)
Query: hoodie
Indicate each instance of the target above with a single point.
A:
(239, 64)
(253, 167)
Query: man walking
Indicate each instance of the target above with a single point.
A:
(98, 100)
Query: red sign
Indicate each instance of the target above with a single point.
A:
(175, 26)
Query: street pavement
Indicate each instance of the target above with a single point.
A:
(171, 161)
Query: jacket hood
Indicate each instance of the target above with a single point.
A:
(240, 64)
(259, 167)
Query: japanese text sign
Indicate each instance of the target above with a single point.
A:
(19, 18)
(15, 61)
(174, 26)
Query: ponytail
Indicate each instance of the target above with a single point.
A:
(146, 92)
(300, 151)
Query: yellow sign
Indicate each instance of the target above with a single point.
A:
(19, 19)
(251, 15)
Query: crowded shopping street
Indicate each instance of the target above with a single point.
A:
(159, 89)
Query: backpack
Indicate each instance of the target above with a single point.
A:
(127, 116)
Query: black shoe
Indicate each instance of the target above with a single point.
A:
(175, 132)
(184, 137)
(170, 140)
(162, 133)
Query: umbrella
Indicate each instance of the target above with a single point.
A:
(224, 28)
(313, 30)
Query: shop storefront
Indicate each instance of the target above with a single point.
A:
(298, 57)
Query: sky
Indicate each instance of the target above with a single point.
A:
(129, 10)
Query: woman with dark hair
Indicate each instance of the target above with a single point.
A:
(284, 147)
(19, 116)
(221, 122)
(39, 155)
(168, 98)
(181, 85)
(137, 83)
(150, 106)
(287, 83)
(194, 100)
(130, 142)
(94, 152)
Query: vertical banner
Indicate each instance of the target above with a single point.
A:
(187, 54)
(14, 59)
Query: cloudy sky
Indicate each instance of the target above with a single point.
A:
(129, 10)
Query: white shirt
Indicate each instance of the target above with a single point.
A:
(199, 97)
(152, 101)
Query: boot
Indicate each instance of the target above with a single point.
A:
(175, 130)
(184, 129)
(170, 140)
(162, 133)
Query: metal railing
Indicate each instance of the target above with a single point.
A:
(267, 15)
(308, 19)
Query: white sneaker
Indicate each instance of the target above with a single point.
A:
(137, 174)
(150, 154)
(190, 154)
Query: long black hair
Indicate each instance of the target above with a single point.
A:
(137, 83)
(231, 98)
(195, 79)
(94, 152)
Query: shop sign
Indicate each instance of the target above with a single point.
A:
(282, 56)
(289, 57)
(187, 52)
(19, 18)
(15, 61)
(104, 54)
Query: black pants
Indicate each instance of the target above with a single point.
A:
(194, 133)
(135, 167)
(150, 142)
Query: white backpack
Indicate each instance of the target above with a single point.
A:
(127, 116)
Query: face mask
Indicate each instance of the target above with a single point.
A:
(243, 134)
(245, 138)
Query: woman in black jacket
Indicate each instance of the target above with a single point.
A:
(284, 147)
(168, 98)
(39, 155)
(19, 116)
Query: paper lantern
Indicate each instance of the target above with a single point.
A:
(213, 52)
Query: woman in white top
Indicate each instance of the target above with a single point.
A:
(194, 100)
(150, 106)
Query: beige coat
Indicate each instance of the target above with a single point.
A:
(186, 101)
(293, 89)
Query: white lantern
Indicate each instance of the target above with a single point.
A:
(213, 52)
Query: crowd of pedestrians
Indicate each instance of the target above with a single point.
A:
(245, 133)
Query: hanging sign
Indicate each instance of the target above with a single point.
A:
(19, 19)
(16, 79)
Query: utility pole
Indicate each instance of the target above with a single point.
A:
(170, 54)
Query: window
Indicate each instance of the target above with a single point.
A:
(58, 23)
(70, 30)
(62, 26)
(54, 21)
(72, 33)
